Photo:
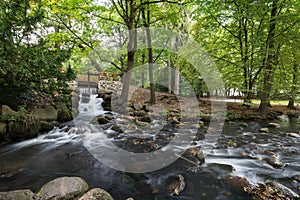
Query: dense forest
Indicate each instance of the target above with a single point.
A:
(44, 43)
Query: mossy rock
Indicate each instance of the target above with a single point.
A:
(47, 113)
(24, 127)
(64, 113)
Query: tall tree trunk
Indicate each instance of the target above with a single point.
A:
(169, 76)
(294, 88)
(271, 61)
(131, 49)
(150, 55)
(176, 82)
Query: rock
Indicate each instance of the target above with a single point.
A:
(96, 194)
(137, 106)
(237, 182)
(296, 135)
(63, 188)
(146, 119)
(117, 128)
(102, 120)
(155, 191)
(174, 120)
(176, 184)
(275, 161)
(142, 124)
(6, 110)
(46, 126)
(283, 189)
(274, 125)
(264, 130)
(2, 129)
(271, 190)
(64, 113)
(196, 152)
(48, 113)
(244, 124)
(25, 127)
(140, 113)
(18, 195)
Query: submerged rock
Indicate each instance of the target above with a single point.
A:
(237, 182)
(283, 189)
(102, 120)
(63, 188)
(271, 190)
(18, 195)
(175, 184)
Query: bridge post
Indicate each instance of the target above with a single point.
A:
(89, 81)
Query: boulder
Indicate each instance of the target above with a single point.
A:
(146, 119)
(273, 125)
(137, 105)
(3, 129)
(140, 113)
(244, 124)
(6, 110)
(102, 120)
(175, 184)
(295, 135)
(48, 113)
(264, 130)
(236, 182)
(64, 113)
(117, 128)
(96, 194)
(46, 126)
(63, 188)
(25, 127)
(18, 194)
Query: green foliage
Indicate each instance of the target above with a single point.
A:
(29, 61)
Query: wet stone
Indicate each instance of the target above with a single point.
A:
(102, 120)
(264, 130)
(273, 125)
(295, 135)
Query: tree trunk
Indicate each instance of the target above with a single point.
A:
(176, 82)
(131, 49)
(170, 76)
(150, 62)
(271, 61)
(294, 88)
(150, 55)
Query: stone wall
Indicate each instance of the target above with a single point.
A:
(106, 91)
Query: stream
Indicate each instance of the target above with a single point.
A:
(241, 150)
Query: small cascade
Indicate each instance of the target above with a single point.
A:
(89, 105)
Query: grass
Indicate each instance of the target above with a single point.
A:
(274, 102)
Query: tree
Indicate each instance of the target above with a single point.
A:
(247, 40)
(28, 56)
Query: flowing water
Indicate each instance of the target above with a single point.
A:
(240, 151)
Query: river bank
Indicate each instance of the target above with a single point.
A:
(236, 165)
